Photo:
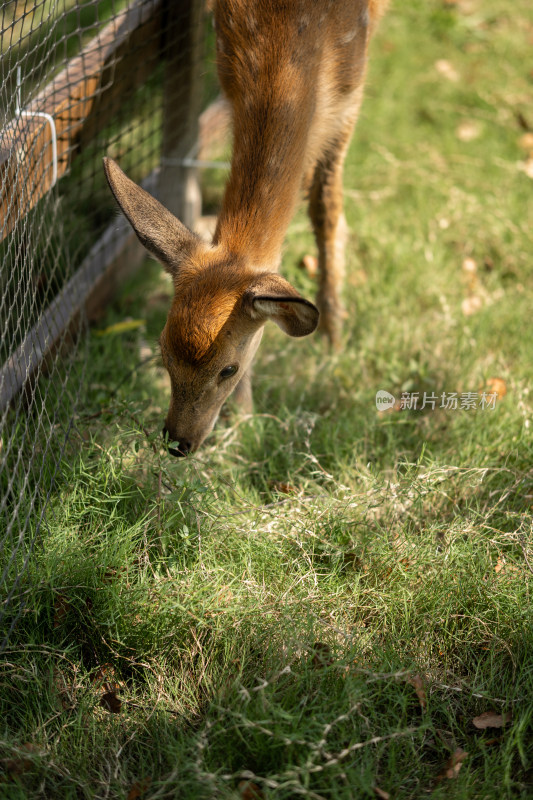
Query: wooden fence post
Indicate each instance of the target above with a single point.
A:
(184, 39)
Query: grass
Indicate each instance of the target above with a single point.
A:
(325, 597)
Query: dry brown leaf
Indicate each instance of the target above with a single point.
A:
(380, 793)
(250, 791)
(447, 70)
(491, 719)
(453, 765)
(496, 386)
(225, 596)
(418, 685)
(468, 130)
(310, 264)
(471, 305)
(503, 569)
(526, 141)
(139, 788)
(469, 266)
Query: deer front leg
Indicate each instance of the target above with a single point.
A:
(330, 229)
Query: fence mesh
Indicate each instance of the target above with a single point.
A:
(79, 79)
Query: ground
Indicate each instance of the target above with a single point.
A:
(330, 600)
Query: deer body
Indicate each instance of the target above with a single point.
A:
(293, 72)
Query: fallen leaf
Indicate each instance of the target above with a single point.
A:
(496, 386)
(310, 264)
(471, 305)
(121, 327)
(468, 130)
(453, 765)
(469, 265)
(380, 793)
(447, 70)
(503, 569)
(526, 141)
(224, 596)
(139, 788)
(473, 286)
(490, 719)
(250, 791)
(418, 685)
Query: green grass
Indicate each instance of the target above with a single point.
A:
(266, 606)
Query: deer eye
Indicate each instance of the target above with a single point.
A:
(227, 372)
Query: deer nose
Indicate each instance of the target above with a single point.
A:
(184, 446)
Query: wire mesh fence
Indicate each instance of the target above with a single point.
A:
(79, 80)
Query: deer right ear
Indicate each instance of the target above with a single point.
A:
(163, 235)
(272, 297)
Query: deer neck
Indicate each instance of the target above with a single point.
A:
(271, 130)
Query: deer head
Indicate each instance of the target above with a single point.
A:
(216, 319)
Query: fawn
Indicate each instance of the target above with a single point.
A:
(293, 72)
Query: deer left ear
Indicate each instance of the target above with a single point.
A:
(272, 297)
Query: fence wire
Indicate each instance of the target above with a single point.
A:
(80, 79)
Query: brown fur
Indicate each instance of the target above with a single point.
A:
(203, 303)
(293, 72)
(290, 70)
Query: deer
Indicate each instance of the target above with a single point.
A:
(293, 72)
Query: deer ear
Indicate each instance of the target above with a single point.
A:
(272, 297)
(158, 230)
